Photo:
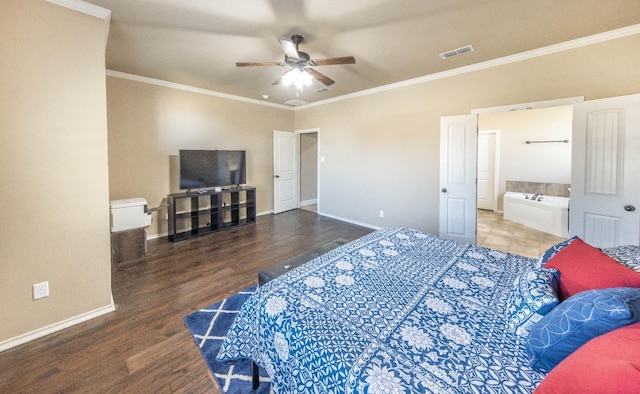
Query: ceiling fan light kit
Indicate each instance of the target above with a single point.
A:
(297, 78)
(301, 73)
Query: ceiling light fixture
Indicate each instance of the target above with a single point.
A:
(297, 78)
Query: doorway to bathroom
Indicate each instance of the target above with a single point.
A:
(529, 148)
(308, 140)
(458, 164)
(526, 150)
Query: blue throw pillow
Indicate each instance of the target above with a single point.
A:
(533, 295)
(552, 251)
(578, 319)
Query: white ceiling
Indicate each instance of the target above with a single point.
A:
(197, 42)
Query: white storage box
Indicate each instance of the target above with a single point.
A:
(129, 214)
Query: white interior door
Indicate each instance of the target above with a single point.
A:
(487, 170)
(285, 171)
(605, 169)
(458, 148)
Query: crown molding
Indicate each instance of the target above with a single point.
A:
(88, 9)
(551, 49)
(84, 7)
(531, 105)
(187, 88)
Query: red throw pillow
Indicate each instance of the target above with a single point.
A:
(583, 267)
(606, 364)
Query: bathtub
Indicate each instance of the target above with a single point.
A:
(550, 215)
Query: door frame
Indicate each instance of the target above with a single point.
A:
(298, 142)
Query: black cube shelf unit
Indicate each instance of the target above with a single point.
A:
(206, 211)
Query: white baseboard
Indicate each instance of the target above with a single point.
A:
(371, 226)
(50, 329)
(308, 202)
(156, 236)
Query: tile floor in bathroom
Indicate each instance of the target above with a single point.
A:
(495, 232)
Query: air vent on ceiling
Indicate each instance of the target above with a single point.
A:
(296, 102)
(456, 52)
(322, 89)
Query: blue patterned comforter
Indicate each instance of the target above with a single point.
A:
(397, 311)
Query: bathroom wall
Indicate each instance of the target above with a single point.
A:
(537, 163)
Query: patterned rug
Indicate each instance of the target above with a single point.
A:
(208, 327)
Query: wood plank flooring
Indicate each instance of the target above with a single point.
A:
(144, 346)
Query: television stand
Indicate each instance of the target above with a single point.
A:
(201, 212)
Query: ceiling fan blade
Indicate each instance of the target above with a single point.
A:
(255, 64)
(289, 48)
(319, 76)
(334, 60)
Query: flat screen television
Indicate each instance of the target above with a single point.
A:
(210, 168)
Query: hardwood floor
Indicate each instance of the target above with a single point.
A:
(144, 346)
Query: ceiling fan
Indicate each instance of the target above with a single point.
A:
(301, 61)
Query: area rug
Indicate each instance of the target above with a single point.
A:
(208, 327)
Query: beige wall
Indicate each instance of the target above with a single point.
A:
(54, 174)
(382, 150)
(149, 124)
(519, 161)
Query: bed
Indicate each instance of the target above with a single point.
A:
(395, 311)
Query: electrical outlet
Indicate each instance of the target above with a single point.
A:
(40, 290)
(381, 214)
